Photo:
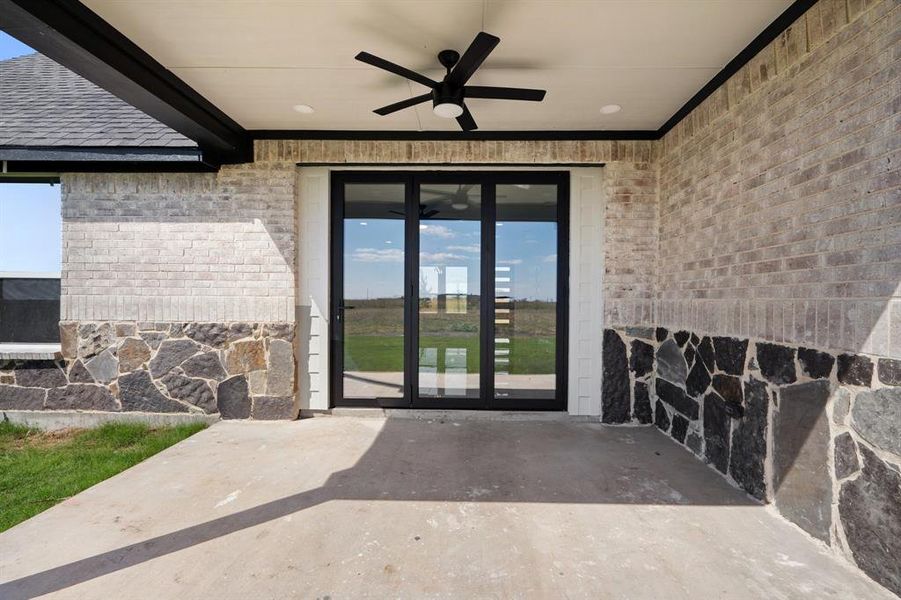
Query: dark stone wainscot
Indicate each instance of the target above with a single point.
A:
(836, 420)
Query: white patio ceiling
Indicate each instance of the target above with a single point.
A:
(257, 59)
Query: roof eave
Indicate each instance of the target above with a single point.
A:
(16, 162)
(74, 36)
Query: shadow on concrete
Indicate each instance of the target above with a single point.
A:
(469, 461)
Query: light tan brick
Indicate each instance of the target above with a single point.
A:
(797, 170)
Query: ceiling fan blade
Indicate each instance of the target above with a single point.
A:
(503, 93)
(397, 212)
(381, 63)
(474, 56)
(387, 110)
(430, 213)
(467, 123)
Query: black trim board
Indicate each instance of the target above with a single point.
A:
(51, 178)
(74, 36)
(19, 162)
(337, 165)
(98, 154)
(450, 136)
(17, 169)
(794, 12)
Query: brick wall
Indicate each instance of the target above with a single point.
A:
(221, 247)
(780, 214)
(180, 247)
(630, 243)
(630, 179)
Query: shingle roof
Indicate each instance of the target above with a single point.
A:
(43, 104)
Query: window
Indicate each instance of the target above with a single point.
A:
(30, 259)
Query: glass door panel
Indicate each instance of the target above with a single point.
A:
(448, 290)
(372, 306)
(448, 302)
(525, 295)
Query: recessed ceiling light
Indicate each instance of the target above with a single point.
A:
(304, 109)
(609, 109)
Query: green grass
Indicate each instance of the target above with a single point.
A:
(373, 334)
(39, 469)
(386, 317)
(386, 354)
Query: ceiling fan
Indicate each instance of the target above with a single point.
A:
(448, 95)
(423, 212)
(458, 200)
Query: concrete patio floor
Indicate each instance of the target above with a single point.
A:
(354, 507)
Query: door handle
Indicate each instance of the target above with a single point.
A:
(339, 316)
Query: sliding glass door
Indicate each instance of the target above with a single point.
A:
(525, 293)
(449, 298)
(448, 289)
(370, 311)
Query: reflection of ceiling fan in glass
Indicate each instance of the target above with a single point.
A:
(458, 200)
(423, 213)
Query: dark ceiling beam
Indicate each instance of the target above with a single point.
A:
(77, 38)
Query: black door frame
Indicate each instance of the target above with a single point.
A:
(488, 180)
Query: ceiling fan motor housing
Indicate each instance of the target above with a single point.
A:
(446, 93)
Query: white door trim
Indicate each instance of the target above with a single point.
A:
(586, 298)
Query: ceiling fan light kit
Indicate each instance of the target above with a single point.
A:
(448, 96)
(447, 110)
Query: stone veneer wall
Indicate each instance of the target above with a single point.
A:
(778, 267)
(178, 294)
(238, 370)
(817, 433)
(178, 290)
